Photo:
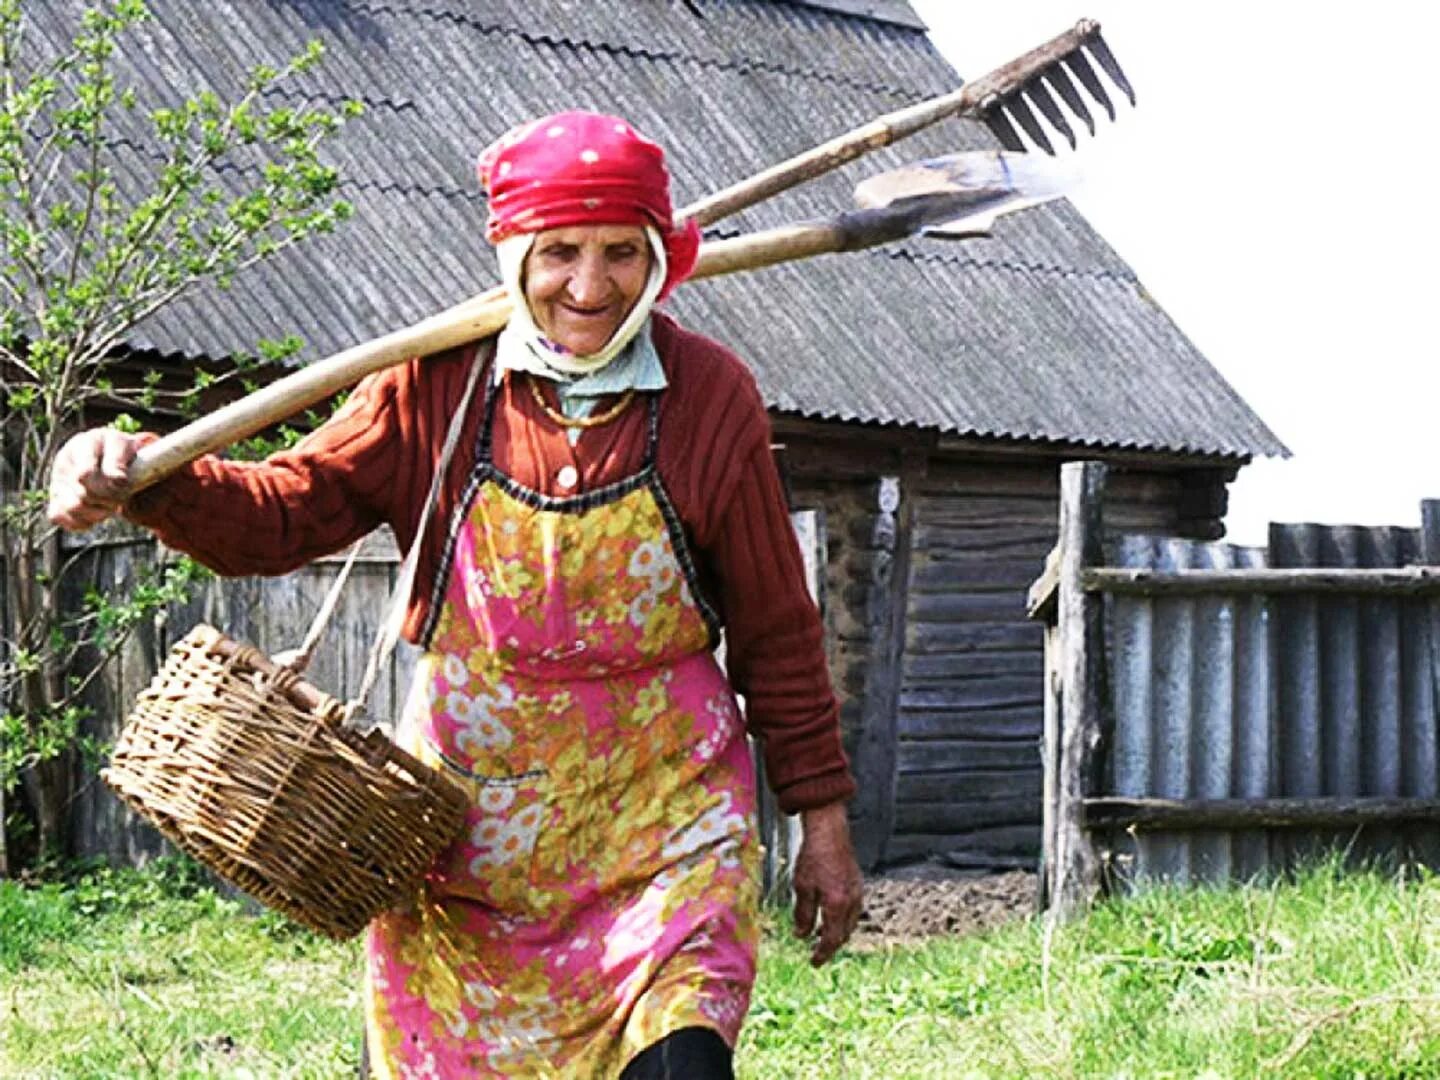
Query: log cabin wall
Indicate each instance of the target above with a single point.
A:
(929, 553)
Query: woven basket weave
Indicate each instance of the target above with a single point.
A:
(250, 770)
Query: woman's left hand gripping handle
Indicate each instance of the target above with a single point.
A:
(89, 481)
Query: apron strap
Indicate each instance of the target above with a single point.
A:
(485, 444)
(652, 435)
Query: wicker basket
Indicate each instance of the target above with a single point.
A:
(250, 770)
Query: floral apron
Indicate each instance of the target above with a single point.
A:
(604, 891)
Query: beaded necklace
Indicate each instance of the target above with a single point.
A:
(580, 421)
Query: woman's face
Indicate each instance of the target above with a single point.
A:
(581, 281)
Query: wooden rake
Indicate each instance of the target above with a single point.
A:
(958, 196)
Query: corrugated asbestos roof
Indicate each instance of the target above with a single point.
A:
(1040, 333)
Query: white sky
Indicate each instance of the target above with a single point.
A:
(1275, 191)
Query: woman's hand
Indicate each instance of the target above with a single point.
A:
(90, 478)
(827, 881)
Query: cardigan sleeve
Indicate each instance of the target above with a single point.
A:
(774, 640)
(271, 517)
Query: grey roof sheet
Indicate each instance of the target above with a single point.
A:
(1042, 332)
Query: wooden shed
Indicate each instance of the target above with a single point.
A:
(924, 394)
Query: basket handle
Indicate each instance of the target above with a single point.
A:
(284, 678)
(297, 660)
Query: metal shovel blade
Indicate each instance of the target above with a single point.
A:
(962, 195)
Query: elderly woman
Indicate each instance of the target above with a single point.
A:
(614, 506)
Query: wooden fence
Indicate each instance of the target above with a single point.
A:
(273, 614)
(1215, 712)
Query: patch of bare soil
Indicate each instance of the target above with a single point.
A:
(900, 911)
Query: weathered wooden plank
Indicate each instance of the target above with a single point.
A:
(1337, 812)
(1038, 512)
(945, 480)
(950, 755)
(1049, 757)
(980, 725)
(973, 510)
(937, 638)
(987, 573)
(992, 693)
(923, 669)
(1409, 581)
(967, 607)
(972, 784)
(1042, 594)
(957, 815)
(1001, 539)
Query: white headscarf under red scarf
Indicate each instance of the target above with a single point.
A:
(584, 168)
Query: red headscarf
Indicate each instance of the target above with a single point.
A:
(584, 168)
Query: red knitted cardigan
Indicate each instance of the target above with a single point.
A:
(373, 463)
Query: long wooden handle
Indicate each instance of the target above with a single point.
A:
(485, 314)
(478, 317)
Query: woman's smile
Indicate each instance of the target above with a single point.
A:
(581, 281)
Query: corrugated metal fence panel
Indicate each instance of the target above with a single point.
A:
(1189, 684)
(1252, 696)
(1356, 710)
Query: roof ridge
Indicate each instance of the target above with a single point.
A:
(638, 52)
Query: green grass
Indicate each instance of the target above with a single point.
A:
(126, 974)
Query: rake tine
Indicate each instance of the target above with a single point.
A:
(1101, 51)
(1018, 108)
(1085, 74)
(1060, 82)
(1043, 100)
(999, 124)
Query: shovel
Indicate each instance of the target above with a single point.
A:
(958, 196)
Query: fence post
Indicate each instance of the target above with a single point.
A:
(1072, 866)
(1430, 552)
(873, 808)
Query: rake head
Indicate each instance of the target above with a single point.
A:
(1042, 80)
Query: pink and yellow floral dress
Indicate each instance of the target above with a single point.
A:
(604, 892)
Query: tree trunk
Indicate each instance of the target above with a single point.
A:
(48, 786)
(4, 848)
(32, 594)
